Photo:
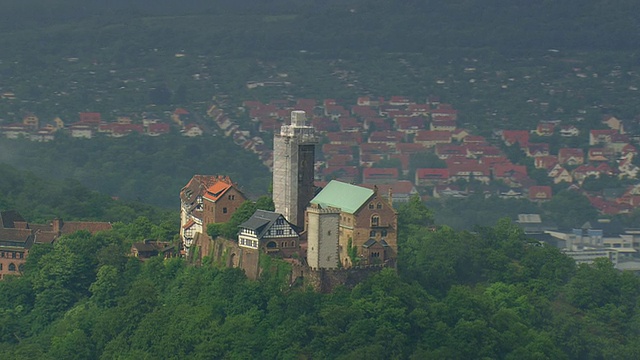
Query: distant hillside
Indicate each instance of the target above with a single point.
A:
(408, 26)
(39, 200)
(145, 169)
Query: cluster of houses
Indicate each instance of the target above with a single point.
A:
(17, 236)
(356, 139)
(90, 124)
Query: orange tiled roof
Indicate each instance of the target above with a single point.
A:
(216, 190)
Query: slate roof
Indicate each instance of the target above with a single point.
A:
(9, 218)
(349, 198)
(261, 221)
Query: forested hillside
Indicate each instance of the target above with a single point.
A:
(41, 199)
(407, 26)
(138, 168)
(457, 295)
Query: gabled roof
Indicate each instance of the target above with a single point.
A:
(349, 198)
(9, 218)
(261, 221)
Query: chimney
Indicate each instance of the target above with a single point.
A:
(57, 225)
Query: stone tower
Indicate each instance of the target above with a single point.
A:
(293, 168)
(322, 235)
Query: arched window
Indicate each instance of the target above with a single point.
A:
(272, 245)
(375, 220)
(378, 206)
(12, 267)
(371, 206)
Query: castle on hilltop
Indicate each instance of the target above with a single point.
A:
(335, 236)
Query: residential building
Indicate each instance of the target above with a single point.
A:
(206, 199)
(270, 233)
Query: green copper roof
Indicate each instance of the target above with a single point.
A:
(345, 196)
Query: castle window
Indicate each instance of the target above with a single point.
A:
(280, 232)
(375, 220)
(224, 210)
(21, 256)
(378, 206)
(280, 221)
(0, 266)
(13, 255)
(12, 267)
(383, 233)
(372, 233)
(329, 233)
(371, 206)
(232, 197)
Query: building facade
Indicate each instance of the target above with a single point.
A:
(269, 232)
(206, 199)
(367, 226)
(293, 168)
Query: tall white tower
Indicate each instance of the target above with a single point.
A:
(323, 237)
(293, 168)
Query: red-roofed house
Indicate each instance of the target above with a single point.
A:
(340, 160)
(157, 129)
(444, 113)
(442, 125)
(477, 172)
(90, 118)
(545, 128)
(399, 101)
(511, 137)
(431, 176)
(192, 130)
(540, 193)
(379, 175)
(537, 149)
(583, 171)
(545, 162)
(400, 191)
(431, 138)
(512, 175)
(207, 199)
(348, 174)
(390, 138)
(410, 125)
(345, 138)
(377, 124)
(569, 131)
(445, 151)
(349, 124)
(336, 149)
(324, 125)
(599, 154)
(363, 111)
(419, 109)
(474, 139)
(560, 174)
(410, 148)
(571, 156)
(601, 136)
